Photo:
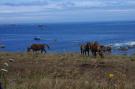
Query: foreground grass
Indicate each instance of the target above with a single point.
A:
(68, 71)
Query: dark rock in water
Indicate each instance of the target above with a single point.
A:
(123, 48)
(131, 47)
(2, 46)
(40, 25)
(36, 38)
(13, 24)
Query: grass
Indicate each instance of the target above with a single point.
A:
(69, 71)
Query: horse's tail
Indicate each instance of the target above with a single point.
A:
(46, 45)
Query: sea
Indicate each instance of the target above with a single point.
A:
(67, 37)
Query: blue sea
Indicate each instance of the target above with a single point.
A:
(67, 37)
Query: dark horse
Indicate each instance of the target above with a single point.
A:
(85, 49)
(38, 47)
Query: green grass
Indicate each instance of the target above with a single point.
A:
(69, 71)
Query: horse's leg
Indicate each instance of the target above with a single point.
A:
(33, 51)
(88, 52)
(85, 52)
(95, 54)
(44, 50)
(81, 51)
(92, 52)
(36, 51)
(101, 54)
(41, 51)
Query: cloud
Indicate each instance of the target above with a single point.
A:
(36, 6)
(74, 3)
(65, 9)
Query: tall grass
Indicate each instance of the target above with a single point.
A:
(69, 71)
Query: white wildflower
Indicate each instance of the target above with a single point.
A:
(4, 70)
(86, 82)
(6, 64)
(11, 60)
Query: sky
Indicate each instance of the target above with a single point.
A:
(53, 11)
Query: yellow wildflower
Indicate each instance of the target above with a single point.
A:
(111, 75)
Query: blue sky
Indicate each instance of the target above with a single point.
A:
(38, 11)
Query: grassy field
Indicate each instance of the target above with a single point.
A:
(67, 71)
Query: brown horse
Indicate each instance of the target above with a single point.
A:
(38, 47)
(94, 47)
(99, 49)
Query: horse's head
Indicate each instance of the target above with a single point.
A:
(95, 43)
(28, 49)
(109, 49)
(46, 45)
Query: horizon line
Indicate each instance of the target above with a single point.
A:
(72, 22)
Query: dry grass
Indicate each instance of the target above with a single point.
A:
(69, 71)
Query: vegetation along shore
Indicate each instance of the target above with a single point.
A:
(66, 71)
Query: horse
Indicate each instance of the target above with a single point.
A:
(38, 47)
(99, 49)
(84, 49)
(107, 49)
(94, 47)
(87, 47)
